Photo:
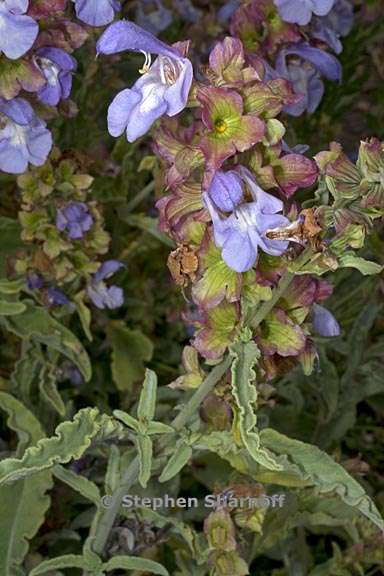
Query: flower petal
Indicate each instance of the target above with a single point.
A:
(96, 12)
(239, 253)
(18, 33)
(120, 109)
(324, 322)
(327, 64)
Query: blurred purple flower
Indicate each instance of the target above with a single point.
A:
(101, 295)
(34, 281)
(56, 297)
(18, 32)
(226, 190)
(226, 12)
(155, 20)
(324, 322)
(243, 233)
(300, 11)
(335, 25)
(23, 137)
(74, 219)
(74, 375)
(304, 74)
(96, 12)
(162, 89)
(57, 67)
(187, 10)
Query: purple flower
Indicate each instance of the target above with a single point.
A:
(227, 10)
(57, 67)
(96, 12)
(74, 219)
(300, 11)
(226, 190)
(324, 322)
(304, 74)
(34, 281)
(17, 31)
(156, 20)
(336, 24)
(56, 297)
(187, 10)
(162, 89)
(23, 137)
(101, 295)
(241, 234)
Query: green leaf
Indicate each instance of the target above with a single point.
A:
(127, 419)
(10, 241)
(48, 389)
(67, 561)
(365, 267)
(134, 563)
(79, 483)
(145, 449)
(11, 286)
(22, 511)
(180, 457)
(159, 428)
(22, 505)
(130, 349)
(22, 421)
(8, 308)
(71, 440)
(38, 325)
(318, 467)
(84, 315)
(246, 355)
(147, 401)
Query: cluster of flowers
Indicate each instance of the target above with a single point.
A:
(65, 239)
(36, 42)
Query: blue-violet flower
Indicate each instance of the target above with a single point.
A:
(335, 25)
(300, 11)
(74, 219)
(104, 296)
(243, 232)
(18, 32)
(162, 89)
(96, 12)
(23, 137)
(324, 322)
(57, 67)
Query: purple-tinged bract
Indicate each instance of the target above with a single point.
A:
(162, 89)
(24, 137)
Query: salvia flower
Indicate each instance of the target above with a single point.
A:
(243, 232)
(226, 190)
(96, 12)
(57, 67)
(24, 137)
(300, 11)
(162, 89)
(324, 322)
(155, 20)
(18, 31)
(56, 297)
(302, 65)
(34, 281)
(335, 25)
(74, 219)
(104, 296)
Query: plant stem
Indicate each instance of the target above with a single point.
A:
(136, 200)
(284, 283)
(107, 519)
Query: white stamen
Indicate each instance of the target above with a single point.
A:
(147, 63)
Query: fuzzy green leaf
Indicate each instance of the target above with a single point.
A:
(38, 325)
(180, 457)
(67, 561)
(318, 467)
(8, 308)
(134, 563)
(70, 441)
(145, 449)
(147, 401)
(246, 356)
(22, 421)
(365, 267)
(79, 483)
(48, 389)
(130, 349)
(127, 419)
